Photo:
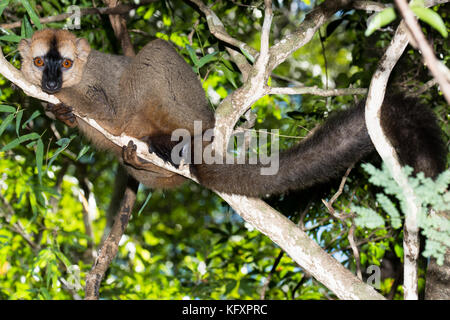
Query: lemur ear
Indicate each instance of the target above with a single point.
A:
(83, 48)
(24, 47)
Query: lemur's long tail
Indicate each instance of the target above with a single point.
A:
(337, 144)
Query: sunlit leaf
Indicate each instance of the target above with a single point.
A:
(432, 18)
(380, 20)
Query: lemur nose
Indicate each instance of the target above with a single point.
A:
(52, 84)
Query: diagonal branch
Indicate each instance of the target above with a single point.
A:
(217, 29)
(295, 242)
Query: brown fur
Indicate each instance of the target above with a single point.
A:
(156, 92)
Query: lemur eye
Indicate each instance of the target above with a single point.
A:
(67, 63)
(38, 62)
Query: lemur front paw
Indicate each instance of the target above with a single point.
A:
(63, 113)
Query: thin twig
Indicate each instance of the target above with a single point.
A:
(318, 91)
(329, 204)
(351, 240)
(269, 276)
(429, 57)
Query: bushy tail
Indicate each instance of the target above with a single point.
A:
(337, 144)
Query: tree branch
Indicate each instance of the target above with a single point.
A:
(431, 61)
(110, 247)
(387, 152)
(217, 29)
(119, 25)
(318, 91)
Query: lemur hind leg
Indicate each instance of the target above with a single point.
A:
(130, 156)
(162, 146)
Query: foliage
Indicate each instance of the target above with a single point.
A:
(187, 243)
(432, 196)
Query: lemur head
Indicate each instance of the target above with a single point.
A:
(53, 59)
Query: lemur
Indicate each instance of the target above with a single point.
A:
(156, 92)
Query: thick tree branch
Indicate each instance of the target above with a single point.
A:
(387, 152)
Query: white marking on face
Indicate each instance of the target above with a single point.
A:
(67, 50)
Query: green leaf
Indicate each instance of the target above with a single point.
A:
(63, 143)
(229, 75)
(18, 120)
(35, 114)
(247, 55)
(45, 294)
(432, 18)
(34, 17)
(149, 13)
(3, 5)
(48, 7)
(5, 108)
(390, 209)
(16, 142)
(39, 158)
(380, 20)
(11, 38)
(398, 250)
(208, 58)
(83, 151)
(6, 122)
(192, 54)
(145, 203)
(26, 28)
(63, 258)
(367, 218)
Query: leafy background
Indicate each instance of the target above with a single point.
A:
(188, 243)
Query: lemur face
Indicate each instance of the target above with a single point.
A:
(53, 59)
